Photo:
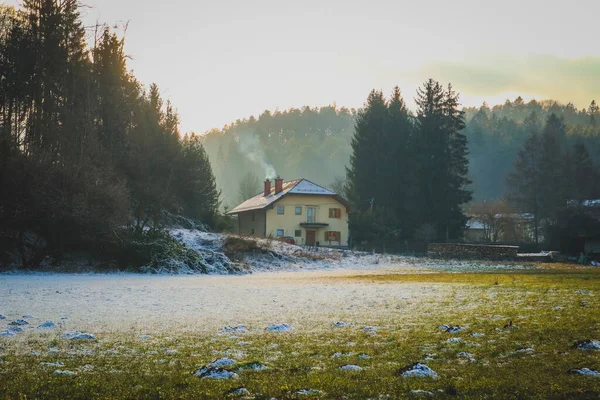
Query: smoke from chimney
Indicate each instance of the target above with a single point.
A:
(249, 145)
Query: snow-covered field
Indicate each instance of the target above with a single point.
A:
(370, 330)
(152, 304)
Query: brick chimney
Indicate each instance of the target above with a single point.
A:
(278, 185)
(267, 187)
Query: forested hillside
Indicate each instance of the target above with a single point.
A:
(314, 143)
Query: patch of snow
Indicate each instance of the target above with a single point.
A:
(2, 316)
(527, 350)
(52, 364)
(340, 324)
(419, 370)
(463, 354)
(419, 392)
(279, 328)
(144, 337)
(171, 352)
(222, 362)
(309, 392)
(64, 372)
(454, 329)
(240, 391)
(215, 373)
(235, 329)
(19, 322)
(585, 371)
(7, 334)
(252, 366)
(364, 356)
(47, 325)
(588, 345)
(338, 355)
(75, 335)
(351, 367)
(477, 334)
(454, 340)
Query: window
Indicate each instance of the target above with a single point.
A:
(297, 233)
(279, 232)
(332, 236)
(311, 215)
(298, 210)
(335, 213)
(280, 210)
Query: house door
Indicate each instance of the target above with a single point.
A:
(310, 238)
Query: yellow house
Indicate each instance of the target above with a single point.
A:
(300, 209)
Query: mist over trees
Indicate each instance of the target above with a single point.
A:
(312, 143)
(87, 153)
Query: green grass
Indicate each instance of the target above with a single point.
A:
(407, 331)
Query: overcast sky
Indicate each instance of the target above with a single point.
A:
(222, 60)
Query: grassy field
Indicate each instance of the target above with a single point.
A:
(520, 331)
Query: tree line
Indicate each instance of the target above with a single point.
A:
(88, 154)
(557, 184)
(315, 143)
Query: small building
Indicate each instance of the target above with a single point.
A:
(300, 209)
(476, 231)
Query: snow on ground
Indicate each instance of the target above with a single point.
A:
(300, 294)
(280, 256)
(162, 304)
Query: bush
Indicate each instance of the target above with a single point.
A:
(155, 251)
(235, 247)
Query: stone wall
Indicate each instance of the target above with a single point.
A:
(472, 251)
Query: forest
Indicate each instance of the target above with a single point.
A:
(90, 158)
(519, 157)
(314, 143)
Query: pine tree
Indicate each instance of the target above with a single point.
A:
(552, 179)
(401, 197)
(593, 111)
(364, 187)
(442, 163)
(525, 182)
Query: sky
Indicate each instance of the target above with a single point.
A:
(219, 61)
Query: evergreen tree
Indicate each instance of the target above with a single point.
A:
(442, 159)
(401, 194)
(552, 178)
(366, 161)
(525, 182)
(594, 111)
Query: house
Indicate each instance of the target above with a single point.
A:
(307, 212)
(500, 227)
(476, 231)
